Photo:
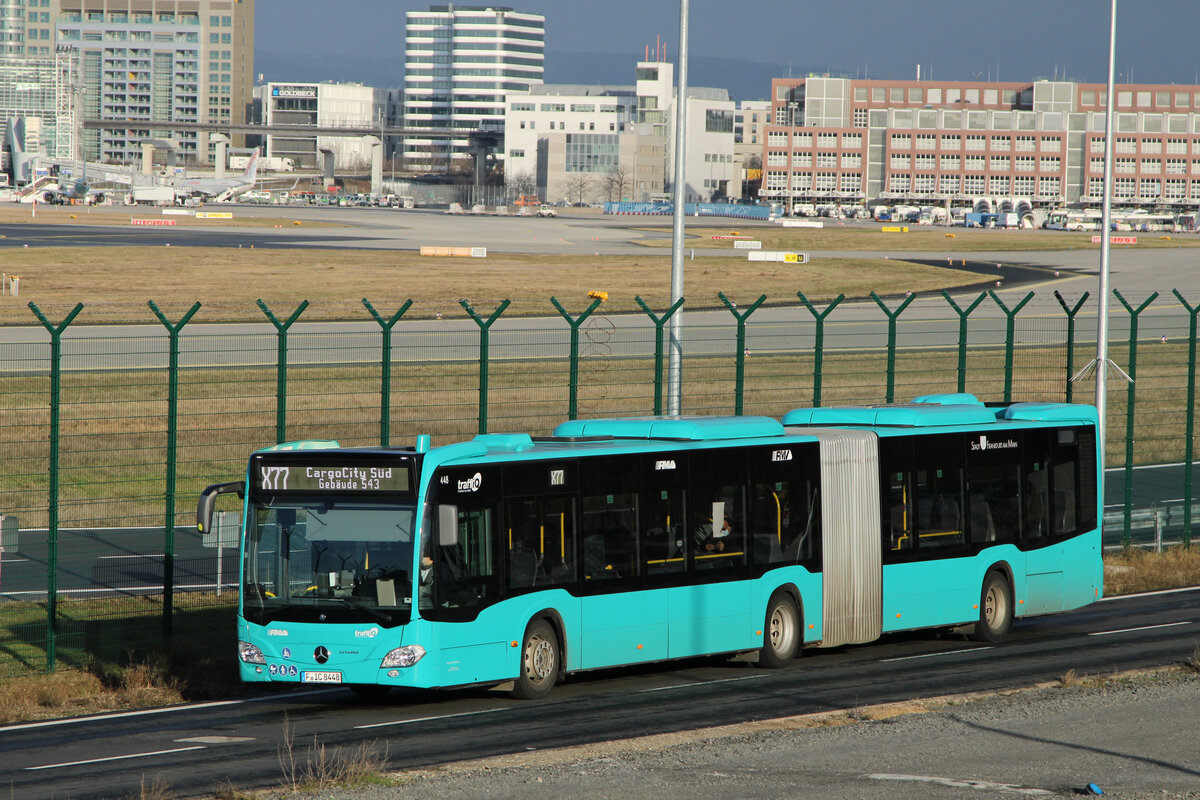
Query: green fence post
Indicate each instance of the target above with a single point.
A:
(1071, 312)
(891, 351)
(172, 437)
(962, 335)
(739, 381)
(385, 367)
(1010, 336)
(484, 326)
(1188, 444)
(575, 322)
(819, 342)
(659, 322)
(1131, 401)
(281, 368)
(52, 509)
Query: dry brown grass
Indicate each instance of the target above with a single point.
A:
(69, 693)
(1135, 570)
(115, 283)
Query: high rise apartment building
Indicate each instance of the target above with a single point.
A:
(1022, 144)
(156, 61)
(460, 62)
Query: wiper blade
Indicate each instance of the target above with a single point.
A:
(379, 615)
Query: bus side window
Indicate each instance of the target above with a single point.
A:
(993, 496)
(610, 537)
(540, 542)
(896, 505)
(784, 517)
(939, 496)
(1036, 509)
(664, 539)
(465, 570)
(609, 555)
(717, 509)
(1074, 501)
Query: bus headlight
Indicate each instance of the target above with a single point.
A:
(250, 653)
(404, 656)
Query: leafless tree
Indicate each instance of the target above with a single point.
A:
(616, 182)
(577, 187)
(521, 183)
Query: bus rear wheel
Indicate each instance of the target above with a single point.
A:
(995, 609)
(781, 634)
(539, 662)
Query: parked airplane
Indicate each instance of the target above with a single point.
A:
(220, 188)
(69, 190)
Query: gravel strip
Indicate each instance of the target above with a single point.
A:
(1135, 736)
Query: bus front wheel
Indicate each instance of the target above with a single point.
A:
(539, 662)
(781, 636)
(995, 609)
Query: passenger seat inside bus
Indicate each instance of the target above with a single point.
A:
(522, 566)
(983, 529)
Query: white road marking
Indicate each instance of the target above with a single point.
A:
(50, 723)
(935, 655)
(427, 719)
(216, 739)
(1143, 628)
(1150, 594)
(700, 683)
(117, 758)
(989, 786)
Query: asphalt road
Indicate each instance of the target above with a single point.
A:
(201, 746)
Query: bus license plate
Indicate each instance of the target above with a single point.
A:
(321, 677)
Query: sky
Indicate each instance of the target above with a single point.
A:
(746, 43)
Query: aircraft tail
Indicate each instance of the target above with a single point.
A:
(251, 168)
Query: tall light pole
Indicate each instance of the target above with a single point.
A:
(1102, 314)
(675, 346)
(1101, 363)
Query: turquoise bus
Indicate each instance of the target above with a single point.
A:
(513, 561)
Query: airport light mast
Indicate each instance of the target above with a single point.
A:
(675, 346)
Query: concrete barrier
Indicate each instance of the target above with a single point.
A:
(456, 252)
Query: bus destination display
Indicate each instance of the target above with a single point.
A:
(333, 478)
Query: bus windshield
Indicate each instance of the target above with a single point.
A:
(329, 560)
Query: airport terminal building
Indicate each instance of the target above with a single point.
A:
(1022, 144)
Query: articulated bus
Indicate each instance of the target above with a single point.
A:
(512, 561)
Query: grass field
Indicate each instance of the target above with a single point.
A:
(114, 283)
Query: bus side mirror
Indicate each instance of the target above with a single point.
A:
(447, 525)
(208, 499)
